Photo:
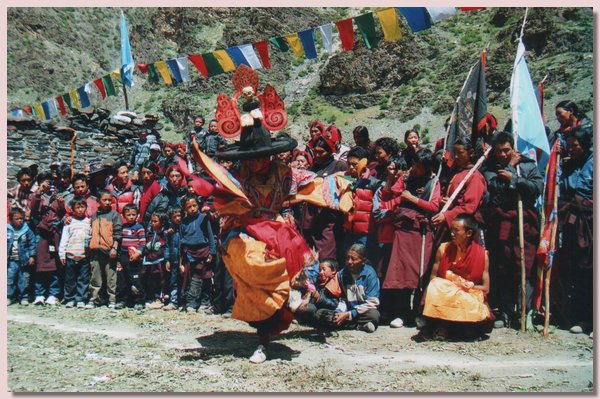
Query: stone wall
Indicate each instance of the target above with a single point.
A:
(29, 142)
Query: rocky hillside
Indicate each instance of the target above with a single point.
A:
(389, 89)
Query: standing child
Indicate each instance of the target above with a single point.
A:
(129, 266)
(21, 257)
(173, 256)
(155, 275)
(72, 250)
(106, 234)
(198, 249)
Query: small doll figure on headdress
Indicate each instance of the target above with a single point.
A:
(265, 108)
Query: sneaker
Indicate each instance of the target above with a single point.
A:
(576, 330)
(397, 323)
(112, 305)
(139, 306)
(120, 305)
(209, 310)
(51, 300)
(70, 304)
(170, 306)
(90, 305)
(157, 304)
(24, 302)
(39, 300)
(367, 327)
(259, 355)
(80, 305)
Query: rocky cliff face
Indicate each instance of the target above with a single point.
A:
(390, 88)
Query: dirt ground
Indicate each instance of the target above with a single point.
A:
(101, 350)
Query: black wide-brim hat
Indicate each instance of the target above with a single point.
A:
(256, 142)
(236, 152)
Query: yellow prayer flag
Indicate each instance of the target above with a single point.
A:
(39, 111)
(295, 44)
(75, 99)
(116, 74)
(389, 24)
(224, 60)
(163, 69)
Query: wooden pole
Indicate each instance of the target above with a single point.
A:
(125, 93)
(523, 269)
(464, 180)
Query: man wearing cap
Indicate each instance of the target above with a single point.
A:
(157, 157)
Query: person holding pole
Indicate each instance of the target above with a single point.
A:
(470, 187)
(501, 219)
(575, 216)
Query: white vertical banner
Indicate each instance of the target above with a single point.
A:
(52, 107)
(182, 64)
(250, 55)
(326, 33)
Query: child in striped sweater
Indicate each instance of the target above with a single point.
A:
(130, 284)
(73, 253)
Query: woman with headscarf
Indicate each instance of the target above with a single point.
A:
(341, 150)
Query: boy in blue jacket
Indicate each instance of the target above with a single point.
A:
(21, 257)
(198, 250)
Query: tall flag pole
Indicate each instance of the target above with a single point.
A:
(127, 63)
(530, 134)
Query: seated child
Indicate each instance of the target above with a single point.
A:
(326, 294)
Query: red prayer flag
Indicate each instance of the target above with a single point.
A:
(263, 52)
(27, 110)
(100, 85)
(143, 68)
(61, 105)
(471, 8)
(198, 62)
(346, 32)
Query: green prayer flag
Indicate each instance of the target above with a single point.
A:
(152, 74)
(212, 64)
(366, 26)
(108, 85)
(280, 43)
(67, 100)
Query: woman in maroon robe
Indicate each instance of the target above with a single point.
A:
(419, 200)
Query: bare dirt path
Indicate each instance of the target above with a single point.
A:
(70, 350)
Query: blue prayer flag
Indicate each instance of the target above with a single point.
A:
(84, 99)
(417, 17)
(237, 56)
(307, 37)
(175, 70)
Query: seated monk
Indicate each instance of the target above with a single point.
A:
(460, 280)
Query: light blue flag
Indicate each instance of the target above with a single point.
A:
(527, 121)
(127, 64)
